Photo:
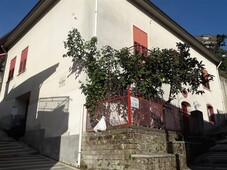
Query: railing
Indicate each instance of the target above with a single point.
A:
(128, 110)
(132, 110)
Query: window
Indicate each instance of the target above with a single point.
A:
(205, 77)
(140, 41)
(23, 60)
(184, 107)
(12, 67)
(210, 112)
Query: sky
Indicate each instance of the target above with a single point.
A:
(198, 17)
(195, 16)
(12, 12)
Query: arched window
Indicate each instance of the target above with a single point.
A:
(210, 112)
(184, 107)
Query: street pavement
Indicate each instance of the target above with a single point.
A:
(16, 155)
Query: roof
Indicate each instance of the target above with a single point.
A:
(42, 7)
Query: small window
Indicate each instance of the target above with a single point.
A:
(12, 68)
(206, 83)
(23, 60)
(210, 112)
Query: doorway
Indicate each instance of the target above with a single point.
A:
(19, 120)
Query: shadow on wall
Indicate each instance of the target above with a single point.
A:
(15, 97)
(48, 139)
(52, 124)
(30, 86)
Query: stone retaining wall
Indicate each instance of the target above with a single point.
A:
(131, 148)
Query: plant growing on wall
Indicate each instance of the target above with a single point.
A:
(110, 71)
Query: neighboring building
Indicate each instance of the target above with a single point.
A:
(223, 82)
(208, 40)
(40, 90)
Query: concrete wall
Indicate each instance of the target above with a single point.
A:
(48, 75)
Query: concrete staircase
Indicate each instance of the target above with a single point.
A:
(215, 158)
(16, 155)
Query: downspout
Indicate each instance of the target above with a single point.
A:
(96, 18)
(80, 136)
(5, 52)
(82, 109)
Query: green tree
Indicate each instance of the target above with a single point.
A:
(110, 71)
(221, 53)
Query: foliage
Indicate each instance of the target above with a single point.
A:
(220, 52)
(110, 71)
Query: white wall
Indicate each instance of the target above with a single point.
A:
(115, 28)
(45, 61)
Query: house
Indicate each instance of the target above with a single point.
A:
(208, 40)
(40, 88)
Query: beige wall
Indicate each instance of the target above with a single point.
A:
(46, 67)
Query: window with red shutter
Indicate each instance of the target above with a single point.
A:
(23, 60)
(210, 112)
(140, 41)
(184, 107)
(12, 67)
(206, 84)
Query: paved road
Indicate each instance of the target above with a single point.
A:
(17, 156)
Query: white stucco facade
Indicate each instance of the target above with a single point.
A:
(47, 75)
(120, 26)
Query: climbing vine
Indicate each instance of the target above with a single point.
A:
(110, 71)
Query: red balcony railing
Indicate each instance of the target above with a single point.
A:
(128, 110)
(131, 110)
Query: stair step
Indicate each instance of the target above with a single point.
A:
(152, 155)
(208, 167)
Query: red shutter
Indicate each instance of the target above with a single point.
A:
(12, 67)
(184, 108)
(211, 113)
(23, 60)
(140, 40)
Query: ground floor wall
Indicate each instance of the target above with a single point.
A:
(62, 148)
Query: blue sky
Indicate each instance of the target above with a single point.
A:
(12, 12)
(196, 16)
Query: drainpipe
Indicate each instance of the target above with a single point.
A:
(80, 135)
(3, 54)
(96, 17)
